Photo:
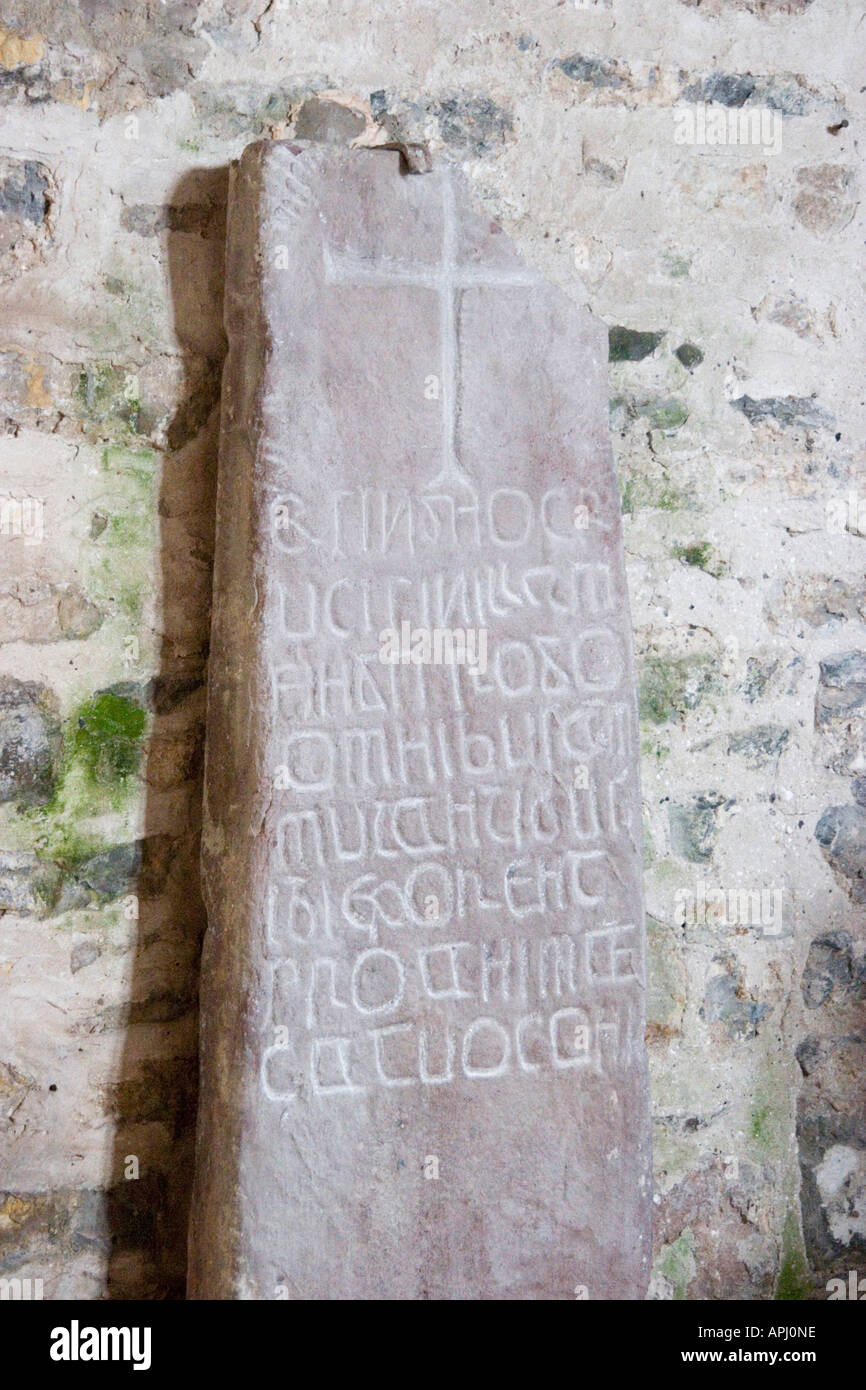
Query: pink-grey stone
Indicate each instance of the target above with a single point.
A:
(423, 1067)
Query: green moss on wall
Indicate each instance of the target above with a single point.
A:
(677, 1264)
(105, 393)
(759, 1125)
(638, 493)
(124, 546)
(106, 737)
(103, 745)
(792, 1283)
(668, 688)
(697, 554)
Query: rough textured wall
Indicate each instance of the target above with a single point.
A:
(600, 135)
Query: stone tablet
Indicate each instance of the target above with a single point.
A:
(423, 1068)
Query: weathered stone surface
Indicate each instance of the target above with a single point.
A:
(841, 833)
(650, 234)
(27, 884)
(29, 742)
(25, 203)
(831, 1135)
(423, 980)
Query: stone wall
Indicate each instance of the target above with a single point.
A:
(600, 136)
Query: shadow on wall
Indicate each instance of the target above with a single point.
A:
(154, 1097)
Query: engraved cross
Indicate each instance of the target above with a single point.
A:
(449, 279)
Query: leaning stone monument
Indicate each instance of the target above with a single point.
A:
(423, 1068)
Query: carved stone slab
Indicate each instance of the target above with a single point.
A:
(423, 1069)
